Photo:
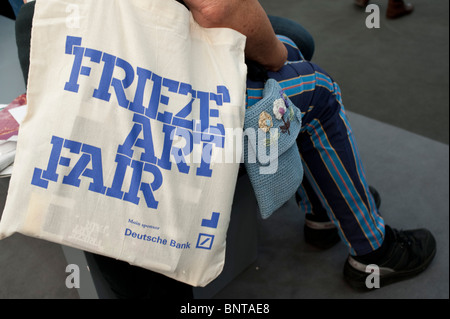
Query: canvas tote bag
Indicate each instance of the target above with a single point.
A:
(121, 151)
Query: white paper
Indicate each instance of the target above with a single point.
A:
(18, 113)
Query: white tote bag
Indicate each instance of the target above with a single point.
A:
(122, 150)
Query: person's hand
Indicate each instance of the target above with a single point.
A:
(248, 18)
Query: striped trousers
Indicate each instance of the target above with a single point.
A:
(334, 185)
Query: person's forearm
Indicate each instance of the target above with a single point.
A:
(248, 18)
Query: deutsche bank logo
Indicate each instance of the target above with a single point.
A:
(205, 241)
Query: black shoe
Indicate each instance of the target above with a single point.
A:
(324, 234)
(407, 254)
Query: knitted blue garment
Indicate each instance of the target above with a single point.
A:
(271, 155)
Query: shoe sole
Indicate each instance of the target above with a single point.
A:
(357, 279)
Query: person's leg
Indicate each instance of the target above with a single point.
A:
(334, 173)
(334, 178)
(297, 33)
(334, 170)
(24, 21)
(16, 5)
(334, 185)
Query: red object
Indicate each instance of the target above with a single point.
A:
(8, 125)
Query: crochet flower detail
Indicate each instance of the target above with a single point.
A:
(265, 121)
(285, 97)
(279, 108)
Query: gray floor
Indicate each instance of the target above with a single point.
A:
(395, 87)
